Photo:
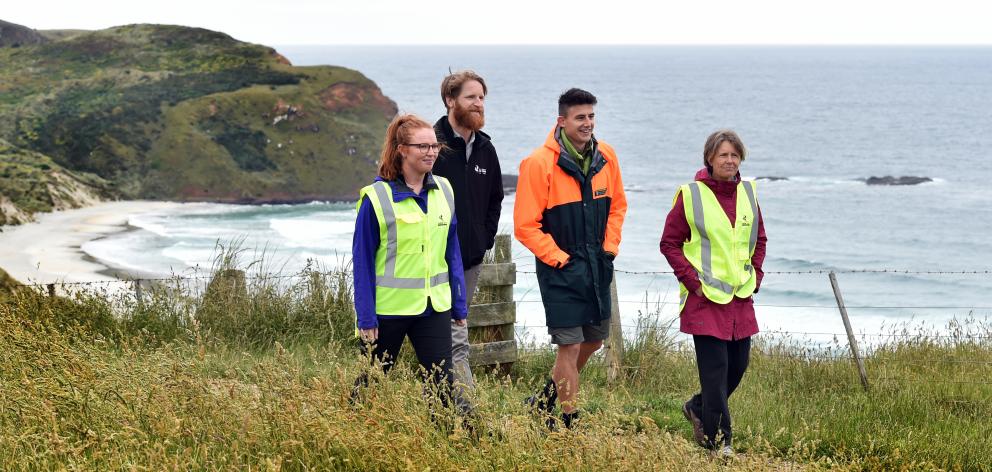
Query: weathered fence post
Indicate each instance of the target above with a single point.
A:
(51, 290)
(137, 292)
(614, 344)
(850, 332)
(492, 312)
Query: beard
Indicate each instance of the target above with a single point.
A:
(471, 119)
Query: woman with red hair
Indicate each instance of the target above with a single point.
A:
(407, 265)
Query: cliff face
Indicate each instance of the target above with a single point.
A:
(170, 112)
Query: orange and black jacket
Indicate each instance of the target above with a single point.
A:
(571, 222)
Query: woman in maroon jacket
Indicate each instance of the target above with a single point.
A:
(721, 332)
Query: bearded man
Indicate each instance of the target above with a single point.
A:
(469, 162)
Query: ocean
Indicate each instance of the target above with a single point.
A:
(824, 118)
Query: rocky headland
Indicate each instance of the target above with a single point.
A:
(160, 112)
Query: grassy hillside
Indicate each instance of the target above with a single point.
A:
(259, 377)
(170, 112)
(31, 182)
(56, 35)
(14, 35)
(7, 283)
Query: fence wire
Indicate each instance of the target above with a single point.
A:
(838, 350)
(818, 272)
(619, 271)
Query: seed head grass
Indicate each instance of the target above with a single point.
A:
(249, 373)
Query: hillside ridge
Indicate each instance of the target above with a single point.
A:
(164, 112)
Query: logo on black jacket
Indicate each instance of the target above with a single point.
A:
(600, 192)
(480, 170)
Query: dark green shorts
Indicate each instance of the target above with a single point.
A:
(580, 334)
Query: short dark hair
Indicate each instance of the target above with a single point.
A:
(573, 97)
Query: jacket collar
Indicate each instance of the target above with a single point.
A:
(447, 135)
(401, 191)
(565, 161)
(721, 187)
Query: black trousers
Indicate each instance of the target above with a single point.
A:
(721, 367)
(431, 339)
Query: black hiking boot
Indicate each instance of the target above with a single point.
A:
(570, 419)
(543, 401)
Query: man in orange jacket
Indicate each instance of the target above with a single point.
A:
(569, 210)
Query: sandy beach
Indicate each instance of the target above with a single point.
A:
(48, 250)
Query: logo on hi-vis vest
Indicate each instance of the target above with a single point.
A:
(440, 221)
(744, 221)
(599, 192)
(480, 170)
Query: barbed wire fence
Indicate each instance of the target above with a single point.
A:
(804, 347)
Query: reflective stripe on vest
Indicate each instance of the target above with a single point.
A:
(413, 292)
(715, 289)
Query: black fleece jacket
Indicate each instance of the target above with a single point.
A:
(478, 187)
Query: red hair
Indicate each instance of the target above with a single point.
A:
(399, 132)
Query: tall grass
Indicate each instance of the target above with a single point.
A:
(256, 372)
(87, 405)
(257, 308)
(927, 408)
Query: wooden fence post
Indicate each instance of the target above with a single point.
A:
(137, 292)
(614, 344)
(850, 332)
(492, 312)
(51, 290)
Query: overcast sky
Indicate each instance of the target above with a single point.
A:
(286, 22)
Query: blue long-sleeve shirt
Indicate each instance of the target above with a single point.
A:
(366, 242)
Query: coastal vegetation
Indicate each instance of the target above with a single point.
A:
(31, 182)
(7, 283)
(255, 372)
(179, 113)
(14, 35)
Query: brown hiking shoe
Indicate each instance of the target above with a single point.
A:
(697, 424)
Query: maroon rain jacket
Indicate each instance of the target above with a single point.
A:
(700, 316)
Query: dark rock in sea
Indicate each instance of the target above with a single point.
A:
(890, 180)
(771, 178)
(509, 183)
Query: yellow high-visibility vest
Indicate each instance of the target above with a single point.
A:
(409, 264)
(720, 253)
